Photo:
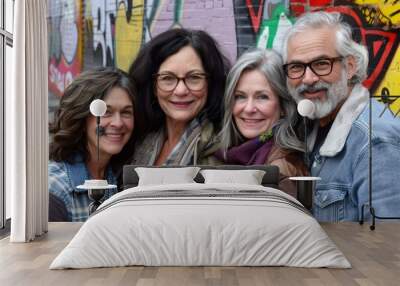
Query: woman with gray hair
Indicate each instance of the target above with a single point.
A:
(260, 117)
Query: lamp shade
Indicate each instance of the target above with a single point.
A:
(306, 108)
(98, 107)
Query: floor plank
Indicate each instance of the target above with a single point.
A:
(374, 255)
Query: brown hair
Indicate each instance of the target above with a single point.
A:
(69, 127)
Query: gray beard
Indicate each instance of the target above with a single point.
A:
(336, 92)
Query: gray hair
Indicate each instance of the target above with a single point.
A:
(269, 63)
(345, 45)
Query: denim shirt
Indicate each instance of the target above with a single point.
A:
(63, 181)
(342, 162)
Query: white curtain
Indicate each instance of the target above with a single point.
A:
(27, 123)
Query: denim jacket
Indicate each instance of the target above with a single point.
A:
(342, 162)
(63, 181)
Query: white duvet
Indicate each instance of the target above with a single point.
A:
(222, 225)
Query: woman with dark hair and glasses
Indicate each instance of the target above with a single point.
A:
(73, 150)
(180, 75)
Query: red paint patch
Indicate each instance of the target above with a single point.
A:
(319, 3)
(376, 46)
(297, 10)
(255, 16)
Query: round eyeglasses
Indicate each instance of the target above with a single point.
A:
(319, 67)
(168, 82)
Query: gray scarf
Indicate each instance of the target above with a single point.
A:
(184, 153)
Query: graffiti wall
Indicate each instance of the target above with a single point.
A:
(65, 43)
(88, 33)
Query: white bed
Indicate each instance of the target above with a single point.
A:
(201, 224)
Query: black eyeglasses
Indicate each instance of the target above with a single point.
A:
(168, 81)
(320, 67)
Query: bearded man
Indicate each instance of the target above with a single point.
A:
(325, 65)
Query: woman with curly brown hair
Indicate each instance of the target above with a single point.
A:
(73, 151)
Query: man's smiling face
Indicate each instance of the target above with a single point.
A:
(325, 91)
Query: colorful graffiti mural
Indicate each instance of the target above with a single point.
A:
(381, 12)
(65, 43)
(215, 17)
(381, 17)
(87, 33)
(128, 32)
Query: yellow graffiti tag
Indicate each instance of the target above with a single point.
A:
(128, 35)
(391, 83)
(388, 10)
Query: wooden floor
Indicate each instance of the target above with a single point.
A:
(374, 255)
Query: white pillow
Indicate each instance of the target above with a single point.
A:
(248, 177)
(166, 176)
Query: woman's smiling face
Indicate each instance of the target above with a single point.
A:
(182, 104)
(118, 124)
(256, 107)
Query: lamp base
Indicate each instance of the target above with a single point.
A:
(96, 191)
(305, 190)
(96, 195)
